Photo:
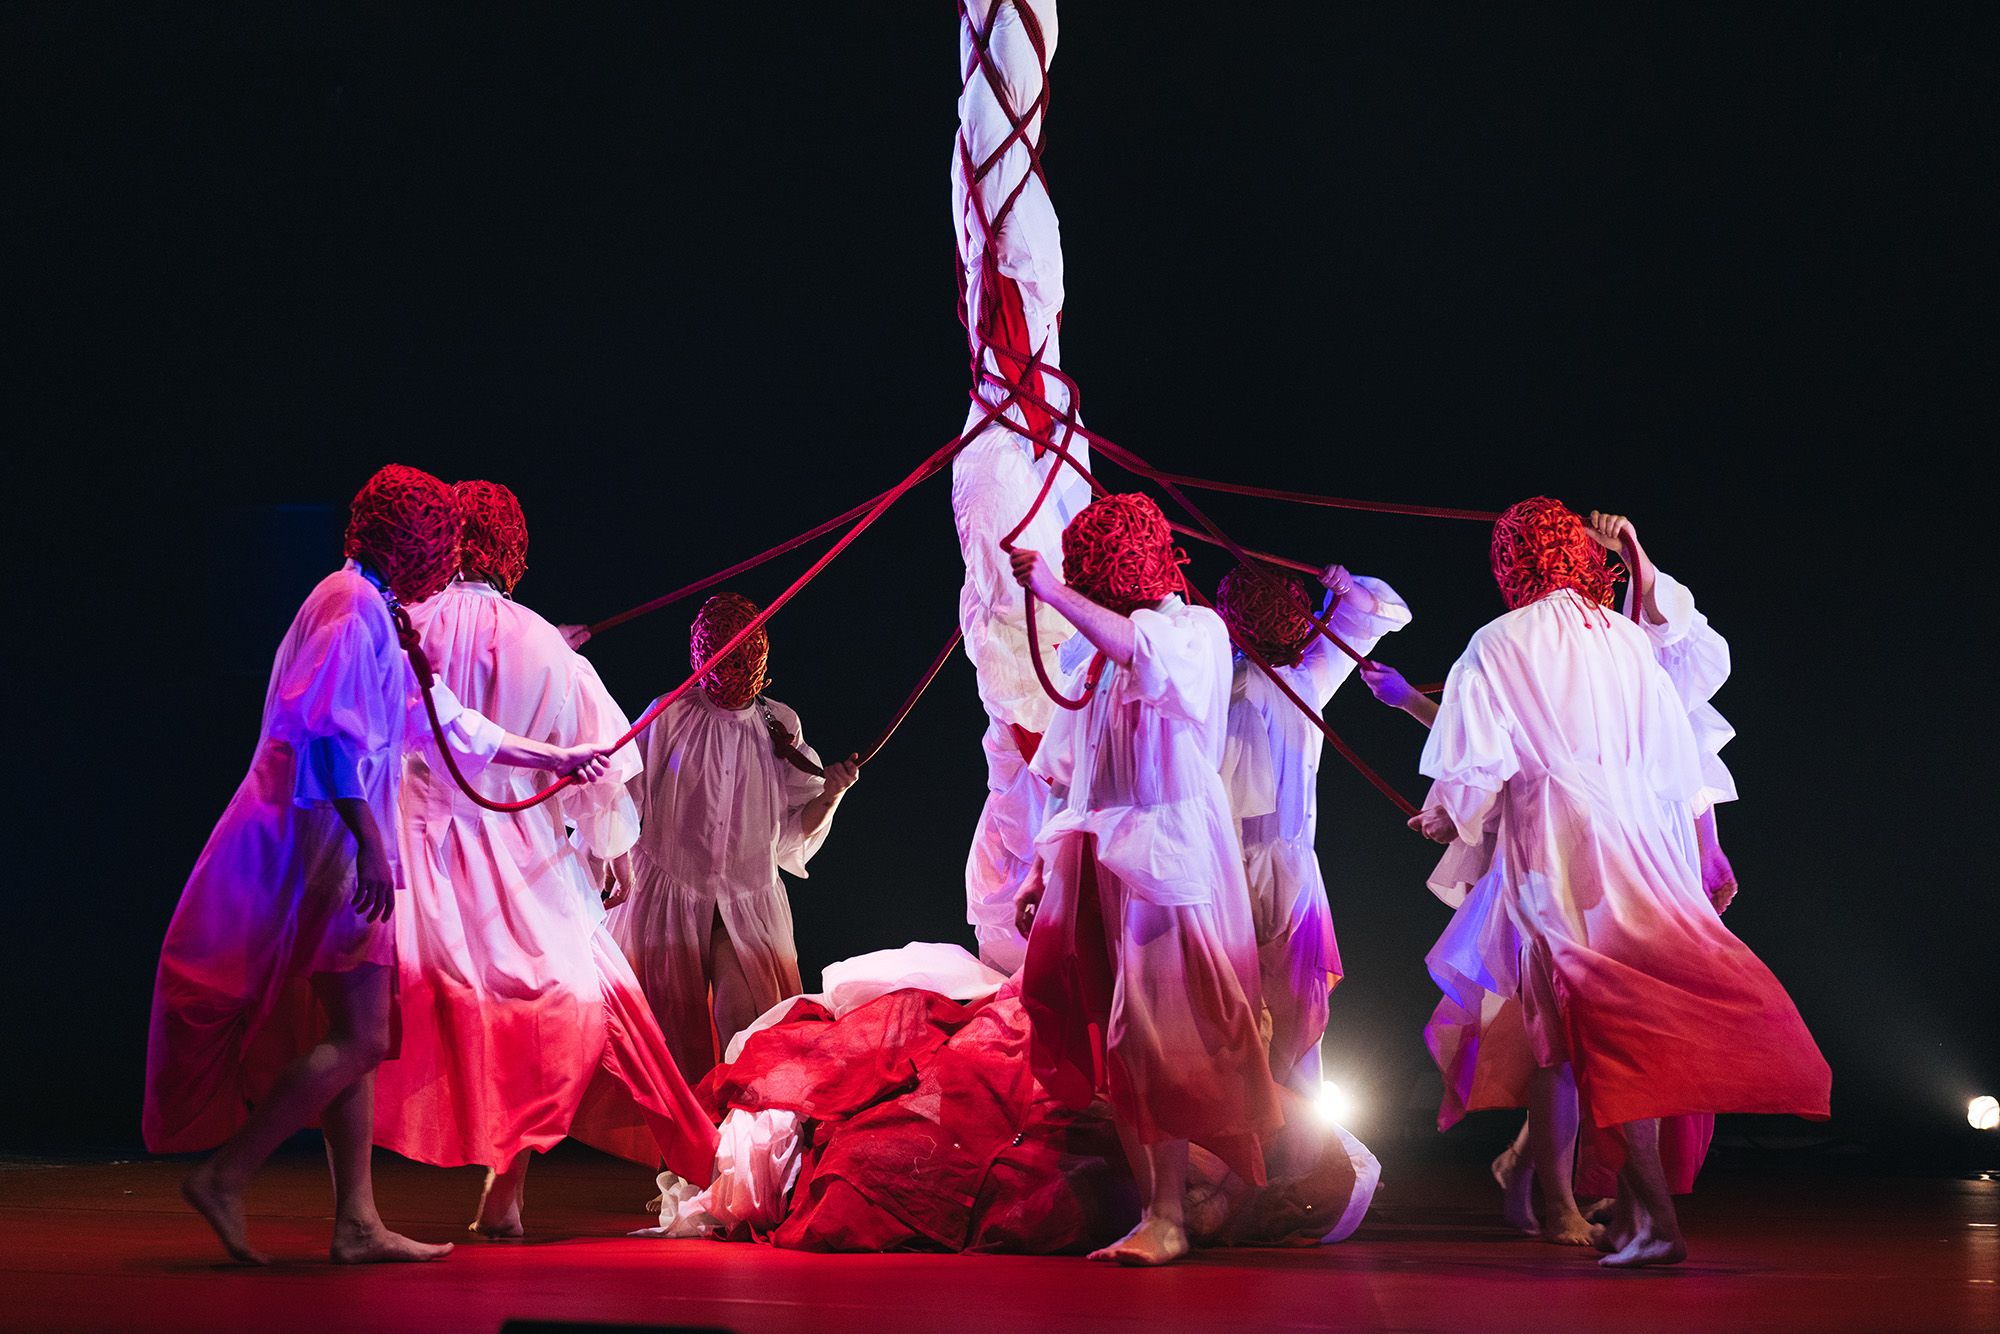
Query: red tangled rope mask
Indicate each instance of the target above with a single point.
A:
(493, 544)
(404, 526)
(1119, 553)
(1271, 610)
(1539, 546)
(739, 678)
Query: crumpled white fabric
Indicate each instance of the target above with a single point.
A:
(757, 1159)
(1367, 1179)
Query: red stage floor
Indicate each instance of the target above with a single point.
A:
(1796, 1246)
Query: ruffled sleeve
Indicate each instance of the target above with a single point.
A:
(1471, 752)
(1180, 661)
(1360, 627)
(795, 847)
(603, 814)
(329, 707)
(1696, 659)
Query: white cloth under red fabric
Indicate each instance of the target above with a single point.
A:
(1562, 739)
(720, 816)
(1144, 933)
(1270, 767)
(515, 1000)
(269, 903)
(1014, 296)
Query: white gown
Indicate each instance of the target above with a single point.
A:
(720, 816)
(1271, 770)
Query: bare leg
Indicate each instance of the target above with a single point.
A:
(1552, 1119)
(1515, 1171)
(500, 1200)
(734, 1006)
(1656, 1240)
(359, 1004)
(1161, 1236)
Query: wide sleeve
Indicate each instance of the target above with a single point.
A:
(473, 737)
(1696, 659)
(1249, 773)
(328, 707)
(795, 847)
(1470, 753)
(1180, 661)
(1360, 623)
(602, 814)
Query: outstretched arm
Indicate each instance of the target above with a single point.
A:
(1111, 633)
(586, 764)
(1387, 684)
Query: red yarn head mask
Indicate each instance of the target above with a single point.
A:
(1119, 553)
(493, 544)
(404, 526)
(739, 678)
(1539, 546)
(1270, 610)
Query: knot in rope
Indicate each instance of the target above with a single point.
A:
(493, 541)
(1268, 609)
(1119, 552)
(1541, 546)
(403, 523)
(739, 677)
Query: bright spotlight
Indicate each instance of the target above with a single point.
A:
(1336, 1106)
(1982, 1113)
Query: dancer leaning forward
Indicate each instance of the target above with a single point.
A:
(1562, 738)
(273, 1002)
(1141, 979)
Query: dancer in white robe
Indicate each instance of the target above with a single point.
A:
(725, 803)
(1561, 737)
(1010, 250)
(1141, 979)
(275, 996)
(1271, 769)
(518, 1010)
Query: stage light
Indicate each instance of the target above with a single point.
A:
(1336, 1106)
(1983, 1112)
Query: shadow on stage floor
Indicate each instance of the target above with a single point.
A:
(1777, 1242)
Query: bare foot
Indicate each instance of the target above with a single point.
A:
(223, 1208)
(1573, 1230)
(1154, 1242)
(499, 1209)
(1646, 1249)
(357, 1245)
(1517, 1192)
(1599, 1210)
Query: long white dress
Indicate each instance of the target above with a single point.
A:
(518, 1009)
(1476, 1035)
(1014, 296)
(269, 903)
(1141, 978)
(721, 815)
(1270, 767)
(1560, 724)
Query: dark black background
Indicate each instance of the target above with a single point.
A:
(683, 277)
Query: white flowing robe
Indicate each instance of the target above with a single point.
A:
(1144, 930)
(515, 999)
(269, 902)
(996, 477)
(1270, 767)
(721, 814)
(1563, 741)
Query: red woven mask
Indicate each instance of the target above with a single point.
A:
(493, 544)
(1270, 610)
(739, 678)
(404, 525)
(1119, 553)
(1539, 546)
